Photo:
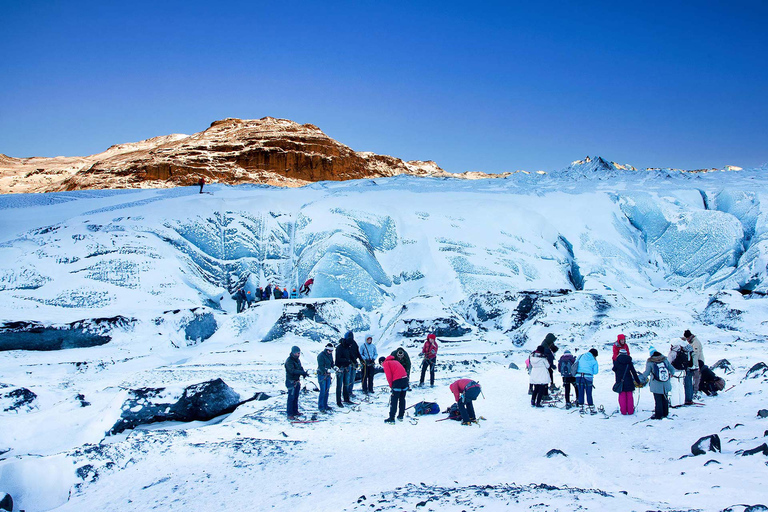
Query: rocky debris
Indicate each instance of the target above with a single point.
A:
(723, 364)
(426, 314)
(16, 398)
(722, 312)
(762, 413)
(199, 402)
(707, 443)
(513, 366)
(90, 332)
(6, 502)
(728, 427)
(763, 448)
(81, 398)
(555, 453)
(746, 508)
(711, 461)
(197, 324)
(757, 371)
(268, 150)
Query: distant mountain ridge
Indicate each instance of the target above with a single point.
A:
(269, 151)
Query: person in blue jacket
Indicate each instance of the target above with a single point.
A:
(368, 355)
(586, 369)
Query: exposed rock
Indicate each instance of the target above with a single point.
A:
(16, 398)
(762, 413)
(711, 461)
(513, 366)
(763, 448)
(757, 371)
(723, 364)
(37, 336)
(199, 402)
(708, 443)
(268, 150)
(426, 314)
(555, 452)
(6, 502)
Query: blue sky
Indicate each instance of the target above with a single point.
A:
(474, 86)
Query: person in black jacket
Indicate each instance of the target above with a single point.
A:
(403, 358)
(626, 378)
(344, 368)
(293, 373)
(324, 371)
(268, 292)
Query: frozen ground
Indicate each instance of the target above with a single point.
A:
(135, 280)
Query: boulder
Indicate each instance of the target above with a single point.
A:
(199, 402)
(757, 371)
(707, 443)
(513, 366)
(723, 364)
(762, 413)
(6, 502)
(426, 314)
(555, 452)
(16, 398)
(763, 448)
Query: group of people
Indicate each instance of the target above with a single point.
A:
(685, 361)
(246, 299)
(349, 357)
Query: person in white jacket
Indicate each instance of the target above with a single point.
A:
(539, 377)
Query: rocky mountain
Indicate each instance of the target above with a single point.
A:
(268, 150)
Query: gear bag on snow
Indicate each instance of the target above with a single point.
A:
(453, 412)
(426, 408)
(660, 372)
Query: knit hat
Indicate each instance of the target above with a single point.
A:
(687, 333)
(329, 345)
(652, 350)
(621, 337)
(295, 349)
(431, 336)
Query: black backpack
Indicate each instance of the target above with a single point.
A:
(681, 361)
(453, 412)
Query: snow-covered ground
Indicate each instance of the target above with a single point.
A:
(139, 282)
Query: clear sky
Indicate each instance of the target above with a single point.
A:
(489, 86)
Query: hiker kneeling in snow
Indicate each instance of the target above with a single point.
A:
(398, 382)
(465, 391)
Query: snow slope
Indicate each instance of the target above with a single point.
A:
(141, 281)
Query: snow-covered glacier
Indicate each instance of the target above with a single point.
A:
(104, 294)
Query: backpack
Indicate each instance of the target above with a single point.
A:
(660, 372)
(453, 412)
(567, 368)
(719, 384)
(681, 360)
(422, 408)
(472, 391)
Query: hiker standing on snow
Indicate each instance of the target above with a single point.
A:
(626, 377)
(586, 369)
(681, 358)
(567, 368)
(465, 391)
(539, 375)
(201, 182)
(429, 353)
(698, 357)
(620, 343)
(549, 352)
(397, 378)
(354, 353)
(343, 369)
(659, 370)
(293, 373)
(324, 371)
(368, 355)
(402, 357)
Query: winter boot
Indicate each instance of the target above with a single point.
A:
(592, 409)
(582, 411)
(390, 421)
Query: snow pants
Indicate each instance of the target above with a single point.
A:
(539, 390)
(368, 377)
(467, 410)
(696, 380)
(397, 400)
(324, 381)
(627, 402)
(351, 379)
(342, 384)
(688, 385)
(584, 385)
(662, 405)
(292, 408)
(428, 363)
(567, 383)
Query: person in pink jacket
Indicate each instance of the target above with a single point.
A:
(429, 352)
(397, 378)
(465, 391)
(621, 343)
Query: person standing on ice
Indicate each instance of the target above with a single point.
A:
(293, 373)
(626, 377)
(268, 292)
(343, 370)
(368, 355)
(306, 287)
(659, 370)
(549, 352)
(324, 371)
(586, 369)
(397, 379)
(681, 358)
(201, 182)
(465, 391)
(539, 377)
(429, 353)
(277, 292)
(620, 343)
(354, 352)
(403, 358)
(567, 367)
(698, 357)
(239, 297)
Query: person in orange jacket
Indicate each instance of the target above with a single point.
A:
(397, 379)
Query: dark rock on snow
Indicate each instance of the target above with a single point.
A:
(37, 336)
(199, 402)
(723, 364)
(513, 366)
(6, 502)
(759, 370)
(763, 448)
(555, 452)
(762, 413)
(14, 399)
(711, 461)
(705, 444)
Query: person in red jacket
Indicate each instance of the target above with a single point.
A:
(429, 352)
(621, 343)
(306, 286)
(465, 391)
(398, 382)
